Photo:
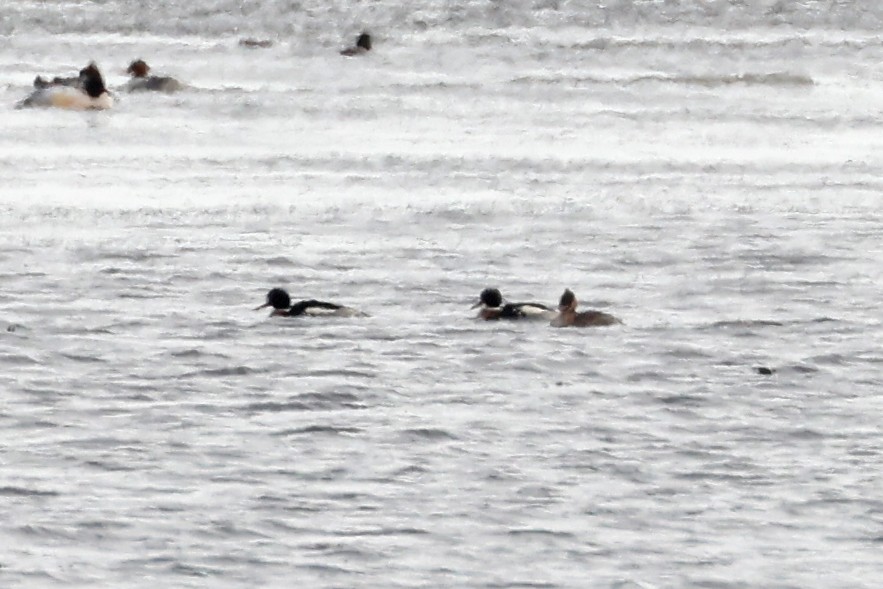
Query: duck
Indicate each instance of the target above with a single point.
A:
(87, 93)
(568, 317)
(362, 46)
(492, 308)
(280, 301)
(140, 81)
(255, 43)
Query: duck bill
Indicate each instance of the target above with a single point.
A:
(264, 306)
(476, 305)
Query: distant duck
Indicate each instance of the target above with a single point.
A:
(87, 93)
(141, 81)
(362, 46)
(255, 43)
(568, 317)
(492, 308)
(281, 303)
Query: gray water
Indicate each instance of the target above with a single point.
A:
(708, 172)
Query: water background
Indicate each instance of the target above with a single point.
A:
(709, 172)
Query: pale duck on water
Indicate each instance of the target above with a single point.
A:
(88, 93)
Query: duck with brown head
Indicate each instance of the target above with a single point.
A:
(493, 307)
(141, 81)
(568, 316)
(279, 299)
(89, 92)
(362, 46)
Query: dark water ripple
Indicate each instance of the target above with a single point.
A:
(24, 492)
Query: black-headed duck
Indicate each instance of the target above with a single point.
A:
(568, 317)
(280, 301)
(492, 308)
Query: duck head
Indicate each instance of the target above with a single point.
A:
(490, 298)
(568, 302)
(278, 299)
(138, 69)
(92, 81)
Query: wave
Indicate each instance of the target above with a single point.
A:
(760, 323)
(320, 429)
(10, 491)
(431, 434)
(774, 79)
(306, 402)
(383, 531)
(745, 324)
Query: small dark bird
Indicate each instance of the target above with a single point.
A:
(362, 46)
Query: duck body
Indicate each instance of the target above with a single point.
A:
(493, 308)
(569, 317)
(585, 319)
(281, 302)
(142, 82)
(153, 84)
(66, 97)
(87, 93)
(314, 308)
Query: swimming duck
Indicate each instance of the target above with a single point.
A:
(255, 43)
(568, 317)
(491, 302)
(362, 46)
(87, 93)
(141, 81)
(280, 301)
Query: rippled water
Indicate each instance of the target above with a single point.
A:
(708, 172)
